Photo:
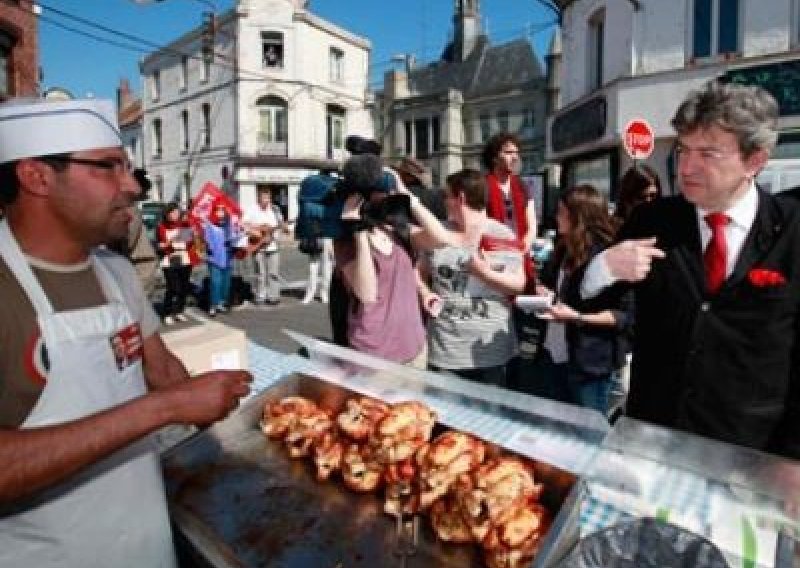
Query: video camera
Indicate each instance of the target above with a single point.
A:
(321, 197)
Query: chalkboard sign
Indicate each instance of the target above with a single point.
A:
(579, 125)
(782, 80)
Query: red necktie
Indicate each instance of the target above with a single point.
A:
(716, 255)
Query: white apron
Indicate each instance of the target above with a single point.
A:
(114, 513)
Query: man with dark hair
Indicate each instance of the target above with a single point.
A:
(84, 376)
(716, 282)
(470, 330)
(507, 200)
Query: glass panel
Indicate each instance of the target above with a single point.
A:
(486, 127)
(435, 128)
(502, 120)
(281, 126)
(728, 26)
(421, 132)
(272, 49)
(701, 44)
(265, 125)
(4, 75)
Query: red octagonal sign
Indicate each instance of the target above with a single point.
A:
(638, 139)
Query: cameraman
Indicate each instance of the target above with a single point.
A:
(377, 262)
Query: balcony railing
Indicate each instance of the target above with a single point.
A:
(268, 147)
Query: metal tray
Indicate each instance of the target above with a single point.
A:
(239, 500)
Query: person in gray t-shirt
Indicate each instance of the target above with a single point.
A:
(466, 289)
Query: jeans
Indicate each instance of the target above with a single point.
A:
(220, 281)
(589, 391)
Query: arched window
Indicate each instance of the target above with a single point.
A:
(273, 126)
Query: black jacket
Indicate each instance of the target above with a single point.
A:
(593, 350)
(722, 366)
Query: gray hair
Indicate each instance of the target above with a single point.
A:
(748, 112)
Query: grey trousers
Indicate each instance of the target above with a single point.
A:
(268, 266)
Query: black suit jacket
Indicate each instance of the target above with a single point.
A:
(723, 366)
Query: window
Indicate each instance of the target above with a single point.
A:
(272, 126)
(184, 72)
(595, 51)
(157, 149)
(715, 27)
(158, 187)
(527, 123)
(206, 134)
(502, 120)
(185, 131)
(272, 50)
(409, 137)
(436, 134)
(155, 85)
(336, 65)
(486, 127)
(6, 83)
(206, 69)
(422, 140)
(335, 128)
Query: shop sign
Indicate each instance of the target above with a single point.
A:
(780, 79)
(638, 139)
(582, 124)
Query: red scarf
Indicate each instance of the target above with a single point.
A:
(495, 206)
(496, 209)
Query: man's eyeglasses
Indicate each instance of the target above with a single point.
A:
(118, 166)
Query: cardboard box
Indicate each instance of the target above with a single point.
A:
(208, 347)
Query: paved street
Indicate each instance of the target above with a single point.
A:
(264, 325)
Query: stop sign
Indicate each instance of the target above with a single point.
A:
(638, 139)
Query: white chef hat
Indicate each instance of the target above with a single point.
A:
(37, 127)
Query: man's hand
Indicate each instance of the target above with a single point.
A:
(208, 397)
(631, 260)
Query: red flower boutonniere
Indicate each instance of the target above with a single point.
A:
(763, 277)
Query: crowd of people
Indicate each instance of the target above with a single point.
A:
(698, 294)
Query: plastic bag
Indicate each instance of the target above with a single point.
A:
(644, 543)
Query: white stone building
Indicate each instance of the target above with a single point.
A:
(624, 59)
(443, 112)
(274, 105)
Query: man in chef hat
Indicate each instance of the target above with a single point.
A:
(84, 376)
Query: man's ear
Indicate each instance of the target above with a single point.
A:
(755, 162)
(34, 177)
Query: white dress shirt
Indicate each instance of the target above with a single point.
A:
(742, 214)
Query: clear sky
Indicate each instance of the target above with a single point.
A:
(84, 65)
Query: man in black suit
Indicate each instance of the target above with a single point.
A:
(716, 275)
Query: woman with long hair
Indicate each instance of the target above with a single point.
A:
(640, 184)
(582, 342)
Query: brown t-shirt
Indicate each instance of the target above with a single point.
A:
(23, 358)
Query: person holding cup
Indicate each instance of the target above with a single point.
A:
(465, 288)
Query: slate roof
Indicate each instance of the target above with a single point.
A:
(488, 69)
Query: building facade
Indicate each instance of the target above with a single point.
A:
(443, 113)
(625, 59)
(269, 104)
(19, 49)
